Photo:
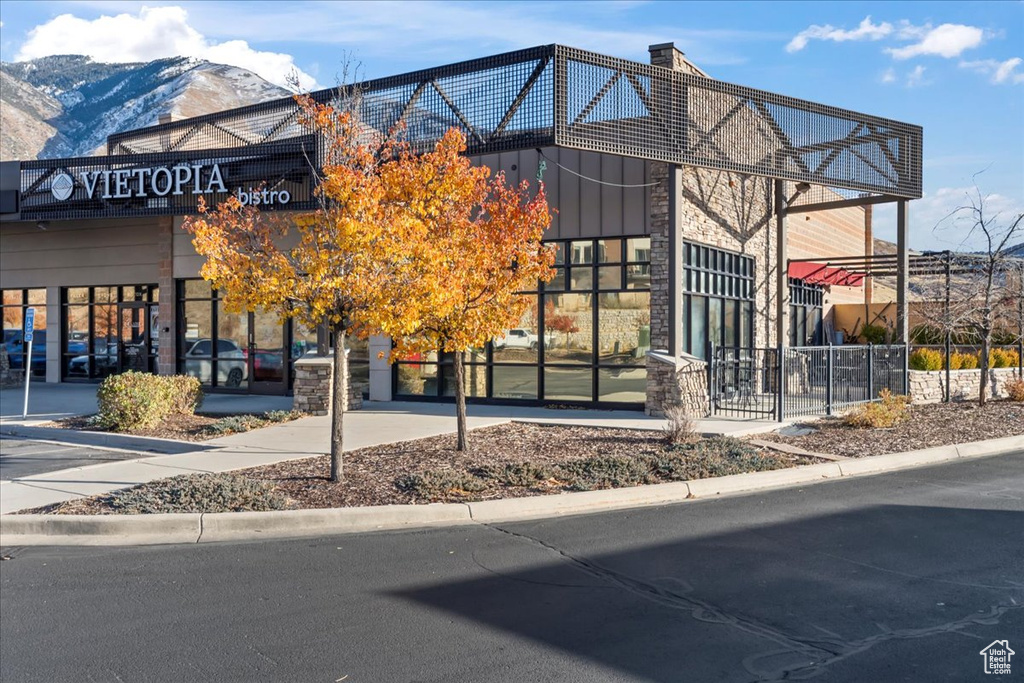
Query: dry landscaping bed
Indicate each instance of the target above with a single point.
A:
(189, 427)
(504, 461)
(937, 424)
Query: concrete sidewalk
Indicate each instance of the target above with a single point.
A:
(48, 402)
(376, 424)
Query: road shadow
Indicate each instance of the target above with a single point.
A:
(794, 600)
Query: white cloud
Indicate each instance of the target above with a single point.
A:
(916, 77)
(864, 31)
(1000, 72)
(947, 40)
(889, 75)
(935, 223)
(153, 33)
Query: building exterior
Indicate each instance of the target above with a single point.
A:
(672, 193)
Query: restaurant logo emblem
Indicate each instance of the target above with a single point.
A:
(62, 186)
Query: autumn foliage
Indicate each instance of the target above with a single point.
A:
(425, 248)
(482, 247)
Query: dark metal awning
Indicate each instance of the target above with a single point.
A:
(554, 95)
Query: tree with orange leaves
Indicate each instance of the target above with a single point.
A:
(482, 246)
(345, 264)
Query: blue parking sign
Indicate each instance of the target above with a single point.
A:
(30, 323)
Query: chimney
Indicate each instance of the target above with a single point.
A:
(671, 57)
(165, 139)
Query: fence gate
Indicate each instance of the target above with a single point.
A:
(802, 380)
(743, 382)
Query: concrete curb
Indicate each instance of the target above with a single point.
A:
(233, 526)
(124, 442)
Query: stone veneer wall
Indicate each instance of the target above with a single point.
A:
(929, 386)
(311, 386)
(683, 383)
(718, 209)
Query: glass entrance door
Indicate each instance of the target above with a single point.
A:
(133, 347)
(268, 369)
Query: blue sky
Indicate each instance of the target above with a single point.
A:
(954, 68)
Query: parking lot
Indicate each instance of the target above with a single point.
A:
(26, 457)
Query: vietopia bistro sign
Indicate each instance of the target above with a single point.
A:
(274, 177)
(161, 181)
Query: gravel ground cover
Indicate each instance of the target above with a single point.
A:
(503, 461)
(937, 424)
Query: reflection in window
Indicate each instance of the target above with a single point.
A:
(585, 344)
(15, 304)
(718, 306)
(568, 329)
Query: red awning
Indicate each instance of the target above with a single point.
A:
(820, 274)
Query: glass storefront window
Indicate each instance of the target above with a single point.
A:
(568, 384)
(106, 333)
(568, 329)
(623, 328)
(520, 344)
(585, 344)
(516, 382)
(625, 385)
(723, 311)
(15, 303)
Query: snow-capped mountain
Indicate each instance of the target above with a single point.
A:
(67, 105)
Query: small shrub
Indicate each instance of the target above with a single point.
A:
(872, 334)
(889, 412)
(1015, 388)
(138, 400)
(441, 485)
(276, 416)
(131, 401)
(516, 473)
(198, 493)
(606, 471)
(234, 424)
(964, 361)
(926, 359)
(715, 457)
(1002, 358)
(184, 393)
(681, 427)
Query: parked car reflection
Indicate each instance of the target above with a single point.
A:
(232, 362)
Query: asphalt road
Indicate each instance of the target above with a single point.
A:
(25, 457)
(899, 577)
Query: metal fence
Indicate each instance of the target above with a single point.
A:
(786, 382)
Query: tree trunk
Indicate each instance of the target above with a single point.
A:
(460, 402)
(339, 398)
(986, 342)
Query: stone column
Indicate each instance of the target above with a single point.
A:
(311, 387)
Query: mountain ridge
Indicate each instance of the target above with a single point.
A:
(67, 105)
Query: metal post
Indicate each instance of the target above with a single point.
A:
(902, 270)
(782, 267)
(27, 363)
(948, 323)
(1020, 323)
(871, 372)
(780, 389)
(829, 377)
(675, 260)
(709, 355)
